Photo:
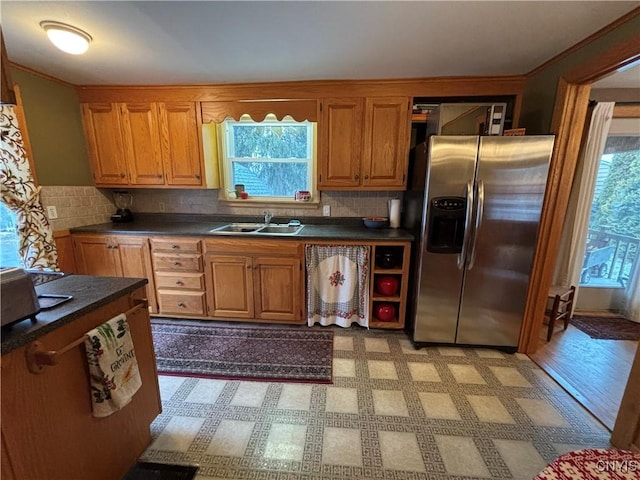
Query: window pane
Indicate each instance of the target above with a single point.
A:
(269, 141)
(271, 179)
(8, 239)
(614, 225)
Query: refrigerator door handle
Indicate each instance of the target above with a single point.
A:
(462, 256)
(478, 223)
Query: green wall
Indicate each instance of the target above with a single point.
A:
(55, 130)
(540, 90)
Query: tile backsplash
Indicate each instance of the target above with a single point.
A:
(78, 206)
(343, 204)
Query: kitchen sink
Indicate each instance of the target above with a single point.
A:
(281, 229)
(238, 228)
(258, 228)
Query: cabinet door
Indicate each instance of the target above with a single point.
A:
(181, 144)
(105, 144)
(277, 288)
(135, 261)
(229, 282)
(340, 142)
(97, 255)
(142, 143)
(386, 142)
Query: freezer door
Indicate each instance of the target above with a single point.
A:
(510, 185)
(452, 163)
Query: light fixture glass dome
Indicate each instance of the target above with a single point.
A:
(67, 38)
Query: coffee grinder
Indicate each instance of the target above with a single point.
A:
(123, 201)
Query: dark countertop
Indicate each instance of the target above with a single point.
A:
(88, 293)
(315, 228)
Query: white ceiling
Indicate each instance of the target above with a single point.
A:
(179, 42)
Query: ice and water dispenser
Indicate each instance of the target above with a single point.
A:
(446, 219)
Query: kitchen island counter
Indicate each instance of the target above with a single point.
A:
(48, 427)
(89, 293)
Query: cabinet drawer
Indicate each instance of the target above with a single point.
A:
(186, 281)
(181, 302)
(182, 245)
(177, 262)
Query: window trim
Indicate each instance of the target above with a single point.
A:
(227, 193)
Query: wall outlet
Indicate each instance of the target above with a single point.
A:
(326, 210)
(52, 212)
(161, 206)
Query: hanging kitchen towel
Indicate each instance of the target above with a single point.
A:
(337, 285)
(113, 368)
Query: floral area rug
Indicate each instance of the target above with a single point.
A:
(607, 328)
(247, 353)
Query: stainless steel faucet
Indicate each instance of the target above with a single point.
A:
(267, 217)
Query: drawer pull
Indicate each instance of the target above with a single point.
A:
(182, 305)
(176, 264)
(175, 247)
(179, 282)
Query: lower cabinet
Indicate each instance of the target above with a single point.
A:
(263, 286)
(179, 276)
(389, 284)
(237, 279)
(115, 256)
(388, 281)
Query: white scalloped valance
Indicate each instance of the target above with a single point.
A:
(300, 110)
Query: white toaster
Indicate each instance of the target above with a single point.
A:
(19, 298)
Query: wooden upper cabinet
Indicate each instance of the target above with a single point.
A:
(340, 142)
(105, 143)
(386, 141)
(181, 143)
(364, 143)
(142, 142)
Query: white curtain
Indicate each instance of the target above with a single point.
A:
(574, 235)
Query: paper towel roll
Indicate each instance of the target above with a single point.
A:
(394, 213)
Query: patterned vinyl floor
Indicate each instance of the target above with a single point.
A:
(393, 412)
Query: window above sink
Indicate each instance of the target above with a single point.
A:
(270, 160)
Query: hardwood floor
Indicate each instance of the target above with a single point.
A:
(594, 372)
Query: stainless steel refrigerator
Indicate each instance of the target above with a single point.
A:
(479, 221)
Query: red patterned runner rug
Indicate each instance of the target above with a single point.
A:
(244, 353)
(593, 464)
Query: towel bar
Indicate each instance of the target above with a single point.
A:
(37, 357)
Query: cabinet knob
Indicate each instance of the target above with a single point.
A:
(159, 175)
(122, 175)
(176, 264)
(197, 175)
(357, 177)
(366, 177)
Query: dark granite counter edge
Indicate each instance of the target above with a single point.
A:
(316, 228)
(13, 338)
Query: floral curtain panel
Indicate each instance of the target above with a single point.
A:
(20, 193)
(337, 285)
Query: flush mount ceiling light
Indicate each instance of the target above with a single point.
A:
(67, 38)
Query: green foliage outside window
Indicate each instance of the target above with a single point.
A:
(617, 207)
(271, 158)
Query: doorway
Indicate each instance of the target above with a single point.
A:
(594, 371)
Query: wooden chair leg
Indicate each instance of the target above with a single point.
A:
(552, 317)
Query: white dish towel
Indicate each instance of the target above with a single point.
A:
(337, 285)
(113, 368)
